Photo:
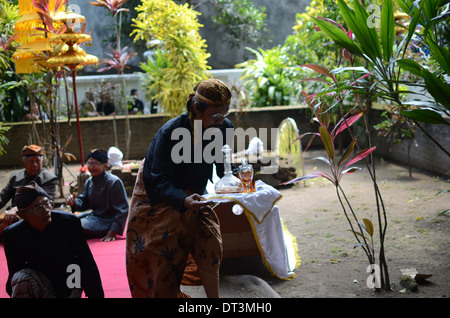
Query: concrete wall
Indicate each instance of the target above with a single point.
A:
(86, 83)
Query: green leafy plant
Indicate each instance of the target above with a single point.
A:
(433, 17)
(240, 20)
(3, 139)
(321, 104)
(13, 96)
(176, 26)
(154, 69)
(268, 77)
(340, 167)
(398, 129)
(382, 55)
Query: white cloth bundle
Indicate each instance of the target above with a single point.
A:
(276, 245)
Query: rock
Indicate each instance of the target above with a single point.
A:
(253, 283)
(408, 283)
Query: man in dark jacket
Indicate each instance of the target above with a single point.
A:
(46, 252)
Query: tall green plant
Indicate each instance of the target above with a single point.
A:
(154, 69)
(182, 46)
(384, 57)
(321, 103)
(13, 96)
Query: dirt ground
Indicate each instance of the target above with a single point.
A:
(417, 236)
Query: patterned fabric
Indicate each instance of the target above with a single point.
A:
(28, 283)
(159, 241)
(213, 92)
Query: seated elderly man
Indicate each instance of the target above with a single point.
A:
(105, 194)
(46, 251)
(32, 171)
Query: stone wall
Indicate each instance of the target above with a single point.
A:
(98, 132)
(424, 154)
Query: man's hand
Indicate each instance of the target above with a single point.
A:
(9, 216)
(196, 202)
(70, 200)
(111, 236)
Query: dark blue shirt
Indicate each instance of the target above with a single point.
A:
(166, 180)
(105, 194)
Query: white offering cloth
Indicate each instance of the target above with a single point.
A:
(277, 246)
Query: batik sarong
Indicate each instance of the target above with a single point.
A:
(30, 283)
(159, 241)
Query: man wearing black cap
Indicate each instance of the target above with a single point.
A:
(105, 194)
(46, 251)
(32, 171)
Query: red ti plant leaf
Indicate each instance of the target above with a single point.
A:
(112, 5)
(361, 155)
(348, 152)
(368, 226)
(343, 124)
(309, 99)
(320, 69)
(327, 142)
(308, 176)
(7, 45)
(310, 141)
(350, 170)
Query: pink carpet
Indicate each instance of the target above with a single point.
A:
(110, 259)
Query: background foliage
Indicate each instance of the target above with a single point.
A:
(182, 48)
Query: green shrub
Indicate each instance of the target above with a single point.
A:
(182, 48)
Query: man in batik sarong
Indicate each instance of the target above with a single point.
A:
(168, 221)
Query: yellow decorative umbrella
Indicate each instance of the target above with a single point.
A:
(32, 41)
(74, 57)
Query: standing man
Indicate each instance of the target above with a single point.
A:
(32, 171)
(168, 219)
(45, 248)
